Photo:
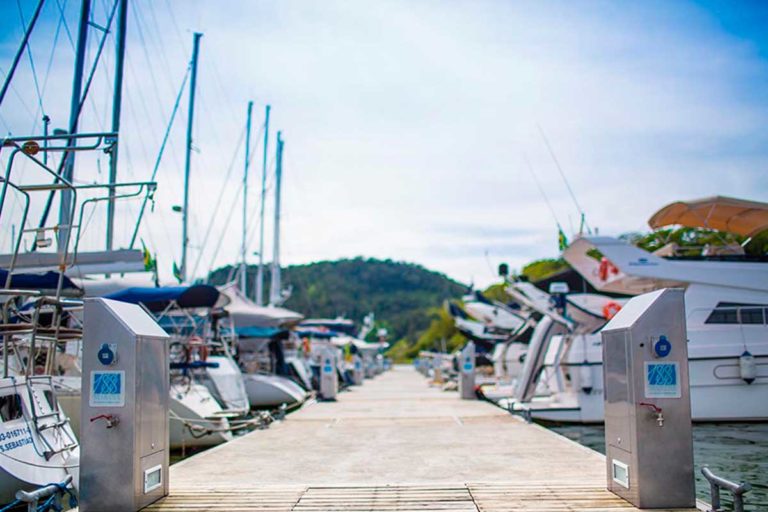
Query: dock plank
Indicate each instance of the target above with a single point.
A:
(395, 445)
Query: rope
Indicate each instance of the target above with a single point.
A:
(11, 506)
(51, 504)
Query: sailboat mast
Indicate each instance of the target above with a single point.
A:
(243, 268)
(188, 162)
(275, 286)
(260, 272)
(122, 22)
(65, 207)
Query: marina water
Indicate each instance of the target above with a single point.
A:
(736, 451)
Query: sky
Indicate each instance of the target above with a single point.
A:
(415, 130)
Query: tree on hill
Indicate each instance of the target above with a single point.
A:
(400, 294)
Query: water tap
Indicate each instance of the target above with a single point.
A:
(111, 419)
(656, 410)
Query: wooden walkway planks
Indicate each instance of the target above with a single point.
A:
(395, 445)
(400, 498)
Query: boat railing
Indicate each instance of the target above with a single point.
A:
(29, 147)
(716, 483)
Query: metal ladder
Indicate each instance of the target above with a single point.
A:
(38, 418)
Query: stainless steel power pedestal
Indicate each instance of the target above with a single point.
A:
(649, 444)
(467, 372)
(329, 378)
(124, 411)
(357, 370)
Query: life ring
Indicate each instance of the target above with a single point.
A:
(606, 267)
(610, 309)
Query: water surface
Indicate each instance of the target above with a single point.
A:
(736, 451)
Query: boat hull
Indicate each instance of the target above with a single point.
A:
(266, 390)
(713, 399)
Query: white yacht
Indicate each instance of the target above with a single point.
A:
(726, 317)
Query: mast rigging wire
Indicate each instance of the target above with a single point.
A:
(223, 231)
(565, 180)
(160, 154)
(541, 191)
(20, 51)
(213, 216)
(29, 54)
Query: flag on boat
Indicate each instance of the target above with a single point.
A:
(177, 272)
(149, 262)
(562, 241)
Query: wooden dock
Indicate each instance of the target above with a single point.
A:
(395, 444)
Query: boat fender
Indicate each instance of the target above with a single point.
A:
(585, 378)
(747, 367)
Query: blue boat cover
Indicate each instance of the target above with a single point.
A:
(258, 332)
(157, 299)
(317, 333)
(46, 281)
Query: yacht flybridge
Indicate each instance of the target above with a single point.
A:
(726, 299)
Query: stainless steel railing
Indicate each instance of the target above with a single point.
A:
(717, 483)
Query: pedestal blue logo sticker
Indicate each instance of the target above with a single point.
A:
(662, 380)
(107, 389)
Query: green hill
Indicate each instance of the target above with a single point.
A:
(402, 295)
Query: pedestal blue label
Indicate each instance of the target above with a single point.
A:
(107, 389)
(662, 380)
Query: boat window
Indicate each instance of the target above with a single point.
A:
(752, 315)
(724, 313)
(10, 407)
(733, 313)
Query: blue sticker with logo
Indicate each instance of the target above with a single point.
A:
(662, 380)
(327, 368)
(107, 389)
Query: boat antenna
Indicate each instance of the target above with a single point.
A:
(565, 180)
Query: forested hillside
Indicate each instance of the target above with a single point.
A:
(401, 295)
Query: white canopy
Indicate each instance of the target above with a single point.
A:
(245, 313)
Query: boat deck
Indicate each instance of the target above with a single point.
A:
(395, 444)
